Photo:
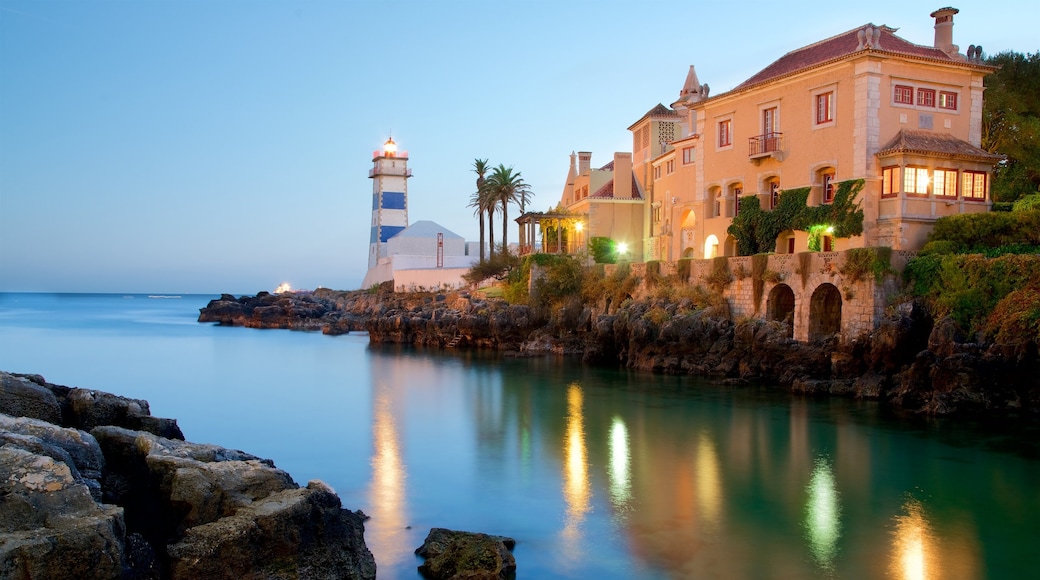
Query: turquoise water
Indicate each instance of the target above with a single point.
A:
(597, 473)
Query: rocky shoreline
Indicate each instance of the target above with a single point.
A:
(94, 486)
(910, 362)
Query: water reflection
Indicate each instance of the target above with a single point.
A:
(576, 490)
(823, 515)
(387, 494)
(709, 483)
(620, 458)
(914, 555)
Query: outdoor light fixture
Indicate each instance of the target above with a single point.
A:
(579, 226)
(622, 248)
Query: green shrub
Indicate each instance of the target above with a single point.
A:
(603, 250)
(682, 270)
(1027, 203)
(989, 229)
(940, 247)
(498, 266)
(859, 262)
(1002, 206)
(720, 276)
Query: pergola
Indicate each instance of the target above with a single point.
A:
(532, 227)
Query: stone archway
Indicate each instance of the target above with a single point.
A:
(711, 247)
(824, 312)
(780, 306)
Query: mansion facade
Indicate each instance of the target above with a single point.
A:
(902, 119)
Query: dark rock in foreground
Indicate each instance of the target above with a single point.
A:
(131, 500)
(455, 555)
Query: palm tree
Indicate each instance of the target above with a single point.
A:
(479, 201)
(506, 186)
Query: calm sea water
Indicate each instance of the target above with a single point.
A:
(597, 473)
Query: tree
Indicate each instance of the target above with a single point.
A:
(1011, 123)
(506, 186)
(479, 201)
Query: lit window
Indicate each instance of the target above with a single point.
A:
(725, 133)
(925, 97)
(903, 95)
(944, 183)
(687, 155)
(947, 100)
(915, 180)
(889, 181)
(973, 185)
(828, 187)
(825, 108)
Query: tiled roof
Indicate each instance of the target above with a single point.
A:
(839, 46)
(608, 166)
(929, 143)
(607, 191)
(657, 112)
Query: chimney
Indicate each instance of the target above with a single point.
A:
(584, 162)
(944, 30)
(623, 175)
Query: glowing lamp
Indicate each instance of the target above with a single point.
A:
(390, 148)
(622, 248)
(579, 226)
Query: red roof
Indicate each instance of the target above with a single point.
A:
(840, 46)
(935, 144)
(607, 191)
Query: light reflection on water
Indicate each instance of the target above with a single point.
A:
(597, 473)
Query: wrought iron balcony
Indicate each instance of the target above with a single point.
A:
(765, 145)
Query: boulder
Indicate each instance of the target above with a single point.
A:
(76, 449)
(294, 533)
(50, 525)
(455, 555)
(20, 396)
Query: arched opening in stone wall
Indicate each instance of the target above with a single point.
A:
(824, 312)
(711, 247)
(780, 306)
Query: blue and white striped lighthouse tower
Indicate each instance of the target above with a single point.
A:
(389, 176)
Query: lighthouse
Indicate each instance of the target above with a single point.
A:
(389, 176)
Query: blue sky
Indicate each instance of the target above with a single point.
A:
(224, 146)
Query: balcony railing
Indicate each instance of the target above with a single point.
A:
(765, 145)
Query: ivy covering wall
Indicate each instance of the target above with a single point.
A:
(756, 230)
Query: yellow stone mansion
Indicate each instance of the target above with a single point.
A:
(866, 104)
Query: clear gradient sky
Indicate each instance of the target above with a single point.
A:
(184, 146)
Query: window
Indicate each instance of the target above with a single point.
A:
(687, 155)
(657, 213)
(827, 244)
(947, 100)
(944, 183)
(669, 167)
(737, 190)
(825, 108)
(925, 97)
(973, 185)
(657, 172)
(903, 95)
(769, 119)
(726, 133)
(774, 193)
(889, 181)
(915, 180)
(828, 187)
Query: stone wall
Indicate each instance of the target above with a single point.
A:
(858, 303)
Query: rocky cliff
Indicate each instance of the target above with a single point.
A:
(910, 361)
(94, 486)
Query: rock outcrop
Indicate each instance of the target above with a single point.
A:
(909, 361)
(454, 555)
(130, 499)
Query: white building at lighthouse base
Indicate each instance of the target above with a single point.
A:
(424, 256)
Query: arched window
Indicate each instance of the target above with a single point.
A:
(773, 187)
